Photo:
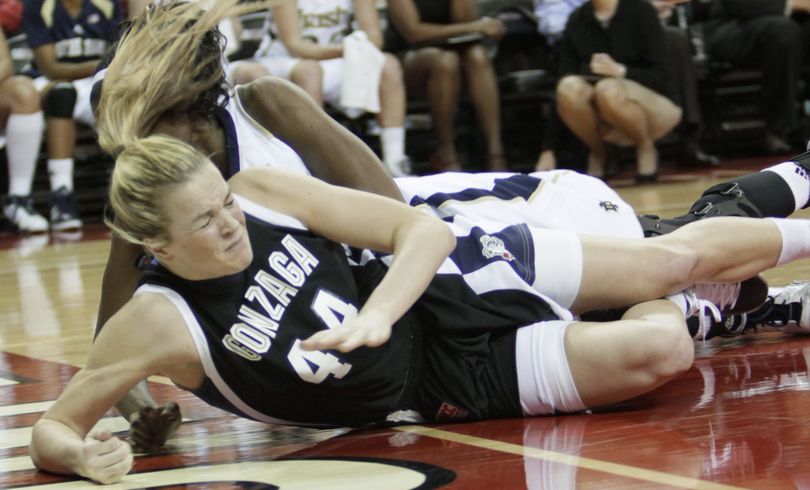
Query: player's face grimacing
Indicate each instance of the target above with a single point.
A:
(207, 233)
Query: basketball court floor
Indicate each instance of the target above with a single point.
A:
(739, 418)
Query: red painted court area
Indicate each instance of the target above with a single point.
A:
(738, 418)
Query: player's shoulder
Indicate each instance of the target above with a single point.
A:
(151, 309)
(271, 94)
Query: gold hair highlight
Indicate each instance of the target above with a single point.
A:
(159, 66)
(145, 172)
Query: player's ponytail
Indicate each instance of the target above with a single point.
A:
(169, 61)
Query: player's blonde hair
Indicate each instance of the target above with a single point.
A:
(145, 172)
(166, 62)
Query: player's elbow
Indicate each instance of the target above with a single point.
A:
(38, 446)
(441, 235)
(449, 238)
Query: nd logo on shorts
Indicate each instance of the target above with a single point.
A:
(494, 247)
(448, 411)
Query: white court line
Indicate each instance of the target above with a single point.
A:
(20, 437)
(8, 382)
(22, 408)
(656, 477)
(17, 463)
(223, 439)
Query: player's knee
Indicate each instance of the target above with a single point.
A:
(669, 349)
(673, 262)
(247, 72)
(573, 88)
(24, 96)
(307, 73)
(392, 71)
(60, 100)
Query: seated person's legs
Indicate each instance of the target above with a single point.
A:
(435, 74)
(59, 102)
(638, 113)
(483, 88)
(308, 75)
(685, 78)
(246, 71)
(20, 109)
(575, 105)
(751, 44)
(392, 117)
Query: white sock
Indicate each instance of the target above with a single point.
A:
(392, 141)
(796, 178)
(24, 137)
(680, 301)
(795, 239)
(61, 172)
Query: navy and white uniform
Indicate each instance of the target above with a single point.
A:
(248, 144)
(83, 38)
(452, 356)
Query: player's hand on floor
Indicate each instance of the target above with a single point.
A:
(150, 427)
(105, 459)
(367, 328)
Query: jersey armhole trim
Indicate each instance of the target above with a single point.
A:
(201, 344)
(268, 215)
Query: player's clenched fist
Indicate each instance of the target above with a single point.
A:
(152, 426)
(105, 459)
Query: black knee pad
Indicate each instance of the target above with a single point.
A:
(60, 100)
(726, 199)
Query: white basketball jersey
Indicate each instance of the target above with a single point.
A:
(321, 21)
(257, 146)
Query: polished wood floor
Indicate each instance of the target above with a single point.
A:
(735, 420)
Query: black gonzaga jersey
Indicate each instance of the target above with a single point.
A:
(248, 327)
(453, 353)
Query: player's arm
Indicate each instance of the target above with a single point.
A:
(287, 20)
(330, 151)
(419, 242)
(367, 17)
(48, 65)
(144, 338)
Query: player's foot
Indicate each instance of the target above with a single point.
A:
(787, 308)
(700, 314)
(64, 215)
(19, 210)
(734, 298)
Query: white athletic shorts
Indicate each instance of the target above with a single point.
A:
(82, 111)
(558, 200)
(282, 67)
(545, 383)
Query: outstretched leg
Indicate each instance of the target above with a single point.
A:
(622, 272)
(562, 367)
(776, 191)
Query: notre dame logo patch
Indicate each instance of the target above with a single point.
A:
(608, 206)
